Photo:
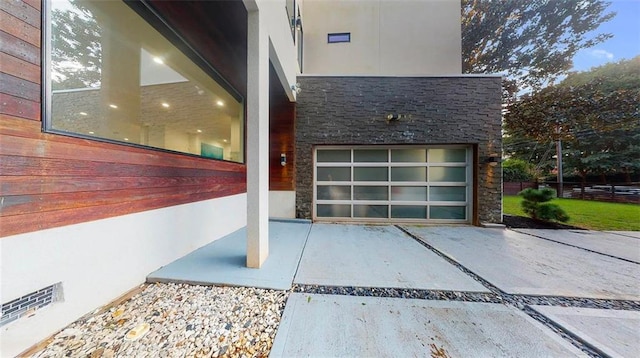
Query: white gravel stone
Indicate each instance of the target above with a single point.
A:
(185, 320)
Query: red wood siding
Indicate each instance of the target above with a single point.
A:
(281, 136)
(49, 180)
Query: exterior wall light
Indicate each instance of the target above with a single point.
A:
(283, 159)
(393, 117)
(492, 160)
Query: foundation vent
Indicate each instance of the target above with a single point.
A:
(30, 303)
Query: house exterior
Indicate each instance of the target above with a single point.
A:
(133, 133)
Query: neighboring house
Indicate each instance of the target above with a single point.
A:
(133, 133)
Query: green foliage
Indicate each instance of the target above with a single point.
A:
(532, 42)
(536, 205)
(597, 118)
(515, 170)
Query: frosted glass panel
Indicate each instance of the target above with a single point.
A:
(370, 174)
(334, 174)
(409, 155)
(370, 193)
(334, 210)
(334, 192)
(370, 211)
(458, 155)
(409, 211)
(409, 174)
(371, 155)
(409, 193)
(455, 174)
(447, 212)
(448, 193)
(334, 156)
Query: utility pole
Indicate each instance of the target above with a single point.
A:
(559, 160)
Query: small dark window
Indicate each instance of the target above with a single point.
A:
(339, 37)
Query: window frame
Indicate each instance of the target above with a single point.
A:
(147, 13)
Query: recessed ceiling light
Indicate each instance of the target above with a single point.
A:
(220, 103)
(113, 106)
(165, 104)
(199, 130)
(126, 139)
(224, 140)
(83, 113)
(158, 60)
(91, 133)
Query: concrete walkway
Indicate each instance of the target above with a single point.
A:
(375, 256)
(607, 243)
(343, 326)
(223, 262)
(518, 263)
(477, 282)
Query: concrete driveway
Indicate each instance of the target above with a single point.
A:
(480, 292)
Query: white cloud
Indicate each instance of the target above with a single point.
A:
(602, 54)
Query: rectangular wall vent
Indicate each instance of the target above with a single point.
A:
(30, 303)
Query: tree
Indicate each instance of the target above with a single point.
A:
(532, 42)
(77, 50)
(515, 170)
(597, 118)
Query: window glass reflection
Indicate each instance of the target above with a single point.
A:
(115, 77)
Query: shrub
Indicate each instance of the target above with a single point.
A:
(514, 170)
(536, 205)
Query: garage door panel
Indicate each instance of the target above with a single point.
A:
(334, 192)
(334, 174)
(385, 184)
(447, 212)
(409, 193)
(409, 211)
(450, 174)
(371, 155)
(370, 174)
(409, 155)
(448, 193)
(409, 174)
(371, 193)
(334, 156)
(442, 155)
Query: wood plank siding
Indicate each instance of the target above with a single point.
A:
(281, 136)
(49, 180)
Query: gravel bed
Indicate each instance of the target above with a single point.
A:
(400, 293)
(184, 321)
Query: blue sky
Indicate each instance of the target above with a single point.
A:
(624, 44)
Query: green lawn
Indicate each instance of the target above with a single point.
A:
(594, 215)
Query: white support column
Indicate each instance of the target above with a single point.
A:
(257, 140)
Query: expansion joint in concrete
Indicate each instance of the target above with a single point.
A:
(576, 246)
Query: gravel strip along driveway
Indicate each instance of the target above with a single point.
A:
(184, 321)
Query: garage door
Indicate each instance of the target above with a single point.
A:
(393, 184)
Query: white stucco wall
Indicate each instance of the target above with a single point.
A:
(282, 51)
(388, 37)
(282, 204)
(100, 260)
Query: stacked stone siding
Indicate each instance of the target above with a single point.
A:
(435, 110)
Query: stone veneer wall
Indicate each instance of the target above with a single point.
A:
(439, 110)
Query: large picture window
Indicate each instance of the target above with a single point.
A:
(114, 77)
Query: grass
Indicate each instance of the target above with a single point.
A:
(594, 215)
